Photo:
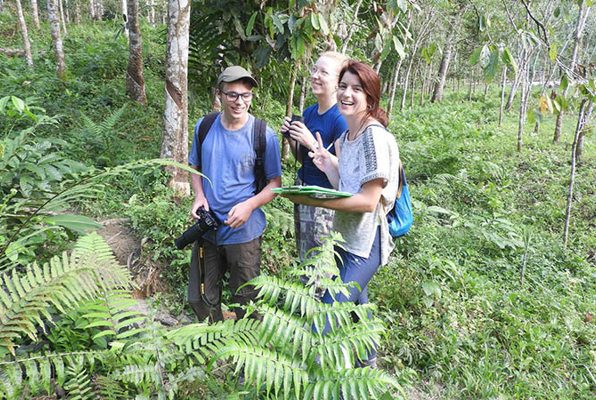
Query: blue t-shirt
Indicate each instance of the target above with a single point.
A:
(228, 160)
(331, 124)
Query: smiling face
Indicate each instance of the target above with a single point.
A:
(235, 110)
(323, 76)
(351, 98)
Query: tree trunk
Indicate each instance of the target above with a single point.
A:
(62, 17)
(344, 46)
(99, 9)
(175, 135)
(303, 91)
(77, 11)
(502, 95)
(524, 95)
(394, 86)
(35, 14)
(92, 11)
(24, 34)
(514, 87)
(407, 81)
(126, 22)
(413, 89)
(583, 116)
(579, 30)
(152, 12)
(135, 82)
(56, 38)
(67, 11)
(285, 150)
(579, 151)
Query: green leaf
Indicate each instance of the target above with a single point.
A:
(491, 69)
(531, 118)
(484, 58)
(431, 288)
(314, 20)
(77, 223)
(251, 23)
(378, 42)
(399, 47)
(324, 26)
(18, 104)
(564, 82)
(482, 23)
(508, 59)
(473, 58)
(557, 12)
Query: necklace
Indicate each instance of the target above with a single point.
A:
(363, 125)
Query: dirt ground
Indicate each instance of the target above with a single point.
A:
(127, 248)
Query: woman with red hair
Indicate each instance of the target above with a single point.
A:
(366, 165)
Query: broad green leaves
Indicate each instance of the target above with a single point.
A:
(489, 58)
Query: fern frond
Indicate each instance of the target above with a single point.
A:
(24, 298)
(285, 332)
(338, 347)
(108, 124)
(79, 386)
(357, 383)
(202, 340)
(42, 371)
(113, 311)
(109, 388)
(273, 369)
(340, 313)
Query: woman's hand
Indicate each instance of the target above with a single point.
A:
(323, 159)
(300, 133)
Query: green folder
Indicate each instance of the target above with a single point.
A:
(312, 191)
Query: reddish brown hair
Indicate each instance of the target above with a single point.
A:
(371, 85)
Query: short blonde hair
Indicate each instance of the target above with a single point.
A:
(339, 59)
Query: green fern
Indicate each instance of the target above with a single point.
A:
(25, 298)
(107, 124)
(281, 355)
(79, 385)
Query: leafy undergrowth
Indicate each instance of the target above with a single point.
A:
(483, 299)
(462, 323)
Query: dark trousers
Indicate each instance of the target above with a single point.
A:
(243, 261)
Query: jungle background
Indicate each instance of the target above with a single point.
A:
(491, 295)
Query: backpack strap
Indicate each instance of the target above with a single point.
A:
(203, 129)
(402, 180)
(260, 145)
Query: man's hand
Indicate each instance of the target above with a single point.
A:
(239, 214)
(199, 201)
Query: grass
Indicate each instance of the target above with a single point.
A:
(461, 318)
(461, 324)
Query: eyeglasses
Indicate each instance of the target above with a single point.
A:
(233, 96)
(321, 72)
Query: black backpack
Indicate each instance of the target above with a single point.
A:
(259, 143)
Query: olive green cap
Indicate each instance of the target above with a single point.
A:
(235, 73)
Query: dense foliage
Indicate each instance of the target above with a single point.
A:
(481, 298)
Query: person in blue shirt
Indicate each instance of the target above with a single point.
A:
(313, 224)
(228, 190)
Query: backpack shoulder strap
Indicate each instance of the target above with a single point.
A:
(205, 125)
(260, 145)
(203, 129)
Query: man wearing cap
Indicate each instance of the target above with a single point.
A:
(227, 159)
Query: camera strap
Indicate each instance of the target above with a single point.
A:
(202, 273)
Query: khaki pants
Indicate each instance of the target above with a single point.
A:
(243, 261)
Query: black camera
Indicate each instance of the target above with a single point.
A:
(295, 117)
(207, 221)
